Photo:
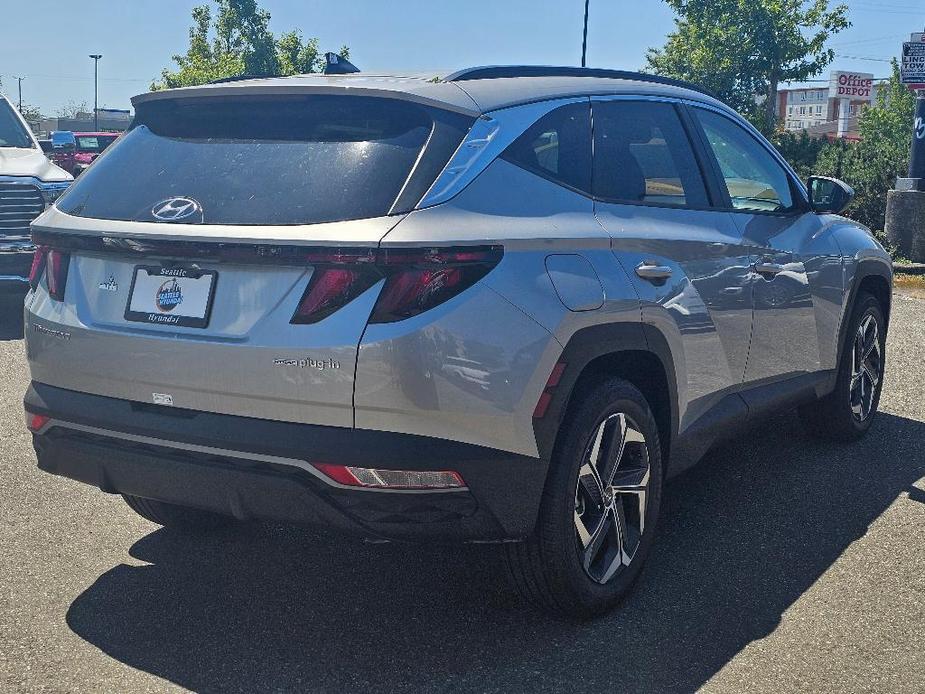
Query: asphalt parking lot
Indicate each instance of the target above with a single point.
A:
(784, 564)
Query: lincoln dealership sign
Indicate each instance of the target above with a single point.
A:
(856, 86)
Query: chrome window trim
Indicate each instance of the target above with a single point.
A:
(488, 137)
(239, 455)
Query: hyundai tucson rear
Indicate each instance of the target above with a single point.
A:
(442, 309)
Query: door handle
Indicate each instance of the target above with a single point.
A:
(652, 272)
(767, 270)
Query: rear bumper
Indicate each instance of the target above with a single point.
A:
(251, 468)
(15, 263)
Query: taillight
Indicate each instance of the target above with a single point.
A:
(339, 277)
(38, 265)
(56, 275)
(416, 280)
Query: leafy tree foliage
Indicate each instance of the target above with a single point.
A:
(31, 113)
(743, 49)
(800, 150)
(235, 39)
(72, 108)
(872, 165)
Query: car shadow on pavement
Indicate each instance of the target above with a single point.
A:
(11, 319)
(263, 608)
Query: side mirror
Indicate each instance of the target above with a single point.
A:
(46, 146)
(828, 194)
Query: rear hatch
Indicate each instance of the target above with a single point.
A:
(199, 263)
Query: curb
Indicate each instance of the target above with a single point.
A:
(909, 268)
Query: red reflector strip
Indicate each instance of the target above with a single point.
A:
(391, 479)
(542, 405)
(545, 400)
(36, 422)
(556, 375)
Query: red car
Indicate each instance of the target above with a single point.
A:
(88, 147)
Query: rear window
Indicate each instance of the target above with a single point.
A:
(271, 160)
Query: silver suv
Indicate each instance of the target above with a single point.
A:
(499, 306)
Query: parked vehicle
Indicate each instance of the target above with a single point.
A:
(28, 184)
(444, 310)
(86, 148)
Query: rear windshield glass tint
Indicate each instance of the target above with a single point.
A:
(267, 160)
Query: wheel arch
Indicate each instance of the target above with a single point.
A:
(872, 276)
(636, 352)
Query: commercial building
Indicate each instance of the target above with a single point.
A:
(827, 110)
(110, 120)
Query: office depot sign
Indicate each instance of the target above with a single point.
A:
(857, 86)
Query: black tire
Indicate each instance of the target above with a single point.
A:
(832, 417)
(173, 516)
(548, 568)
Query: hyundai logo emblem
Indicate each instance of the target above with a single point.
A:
(176, 209)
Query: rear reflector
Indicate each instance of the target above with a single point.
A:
(35, 422)
(545, 400)
(391, 479)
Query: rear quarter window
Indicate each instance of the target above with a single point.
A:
(270, 160)
(557, 147)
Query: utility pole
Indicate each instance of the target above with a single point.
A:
(20, 79)
(96, 110)
(584, 39)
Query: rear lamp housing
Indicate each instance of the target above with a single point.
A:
(54, 264)
(371, 478)
(416, 279)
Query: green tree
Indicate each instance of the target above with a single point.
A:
(72, 108)
(872, 165)
(31, 113)
(296, 56)
(743, 49)
(235, 39)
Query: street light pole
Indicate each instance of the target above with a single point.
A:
(584, 38)
(96, 111)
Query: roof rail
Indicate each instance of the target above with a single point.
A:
(488, 72)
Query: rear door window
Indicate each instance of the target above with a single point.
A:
(270, 160)
(642, 154)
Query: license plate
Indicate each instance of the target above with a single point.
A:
(171, 296)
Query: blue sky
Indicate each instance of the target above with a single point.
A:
(48, 41)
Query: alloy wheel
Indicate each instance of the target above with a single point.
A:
(866, 368)
(611, 497)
